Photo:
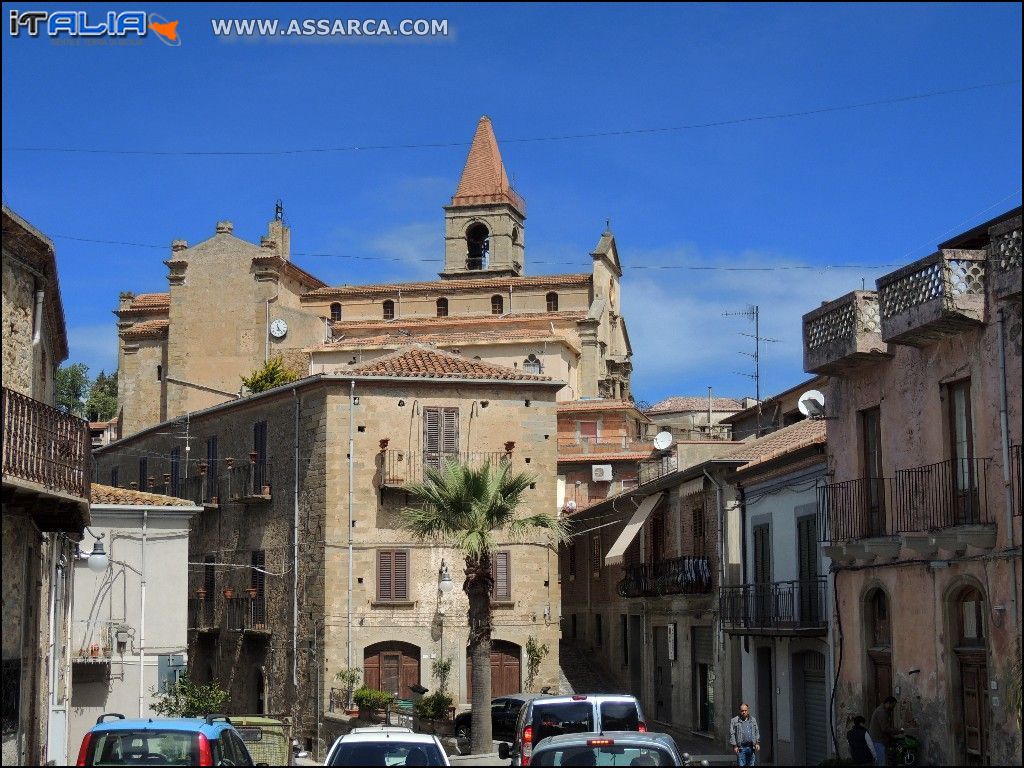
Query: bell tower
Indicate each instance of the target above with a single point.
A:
(483, 226)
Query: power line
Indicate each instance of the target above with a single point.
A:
(524, 140)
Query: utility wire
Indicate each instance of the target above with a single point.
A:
(524, 140)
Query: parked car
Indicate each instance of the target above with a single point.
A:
(387, 745)
(504, 711)
(608, 748)
(210, 740)
(267, 739)
(580, 713)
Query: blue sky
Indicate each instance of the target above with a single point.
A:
(873, 186)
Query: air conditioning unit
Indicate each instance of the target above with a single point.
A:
(601, 473)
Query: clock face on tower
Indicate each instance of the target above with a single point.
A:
(278, 328)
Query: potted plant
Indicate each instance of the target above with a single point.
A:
(229, 592)
(510, 446)
(201, 593)
(436, 708)
(384, 443)
(373, 705)
(252, 592)
(349, 678)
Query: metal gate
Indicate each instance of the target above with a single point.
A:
(815, 708)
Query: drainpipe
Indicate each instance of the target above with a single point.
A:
(721, 576)
(295, 546)
(351, 458)
(37, 318)
(142, 619)
(1008, 491)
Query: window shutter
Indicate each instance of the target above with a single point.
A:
(595, 554)
(385, 583)
(450, 431)
(431, 430)
(401, 574)
(502, 576)
(258, 578)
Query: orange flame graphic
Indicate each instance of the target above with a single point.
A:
(168, 30)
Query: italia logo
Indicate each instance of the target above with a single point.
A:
(118, 24)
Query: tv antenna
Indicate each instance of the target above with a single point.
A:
(753, 312)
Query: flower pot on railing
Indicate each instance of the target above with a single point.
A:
(384, 443)
(94, 651)
(253, 455)
(252, 592)
(229, 593)
(510, 446)
(201, 593)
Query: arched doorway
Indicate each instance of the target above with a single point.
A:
(878, 627)
(392, 666)
(506, 669)
(971, 679)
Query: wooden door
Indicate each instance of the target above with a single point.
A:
(393, 667)
(974, 695)
(762, 575)
(871, 427)
(506, 669)
(662, 683)
(765, 713)
(961, 432)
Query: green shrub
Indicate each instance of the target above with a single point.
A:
(435, 706)
(368, 698)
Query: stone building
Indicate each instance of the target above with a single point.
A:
(696, 418)
(921, 514)
(774, 412)
(230, 304)
(273, 613)
(128, 635)
(46, 474)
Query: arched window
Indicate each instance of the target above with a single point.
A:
(389, 309)
(532, 365)
(478, 246)
(442, 307)
(552, 299)
(497, 304)
(879, 647)
(335, 311)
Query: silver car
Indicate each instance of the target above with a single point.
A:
(609, 748)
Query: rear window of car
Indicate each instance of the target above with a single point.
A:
(619, 716)
(143, 748)
(608, 755)
(386, 753)
(563, 717)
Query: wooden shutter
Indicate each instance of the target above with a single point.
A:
(385, 573)
(209, 575)
(211, 468)
(502, 576)
(143, 473)
(450, 431)
(371, 671)
(595, 554)
(762, 555)
(431, 431)
(175, 471)
(572, 558)
(259, 440)
(258, 578)
(401, 574)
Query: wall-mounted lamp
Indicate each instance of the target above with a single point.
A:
(484, 403)
(401, 403)
(444, 579)
(97, 559)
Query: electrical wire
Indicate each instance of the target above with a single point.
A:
(524, 140)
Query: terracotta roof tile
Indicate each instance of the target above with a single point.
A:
(444, 287)
(147, 329)
(418, 361)
(695, 403)
(597, 458)
(483, 178)
(106, 494)
(151, 300)
(596, 405)
(802, 434)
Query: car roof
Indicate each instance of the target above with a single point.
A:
(363, 735)
(632, 737)
(186, 724)
(596, 697)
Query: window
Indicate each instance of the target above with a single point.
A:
(260, 476)
(572, 560)
(497, 304)
(698, 530)
(442, 307)
(532, 365)
(587, 431)
(595, 555)
(211, 468)
(502, 577)
(336, 311)
(257, 576)
(624, 638)
(209, 581)
(392, 574)
(440, 435)
(389, 309)
(114, 479)
(972, 619)
(965, 509)
(478, 245)
(143, 473)
(175, 489)
(552, 301)
(598, 630)
(629, 482)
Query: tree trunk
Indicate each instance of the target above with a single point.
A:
(478, 589)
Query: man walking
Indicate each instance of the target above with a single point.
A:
(745, 737)
(881, 729)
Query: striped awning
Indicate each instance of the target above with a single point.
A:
(614, 556)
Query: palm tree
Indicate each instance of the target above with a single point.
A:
(466, 508)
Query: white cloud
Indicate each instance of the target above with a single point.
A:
(418, 247)
(94, 345)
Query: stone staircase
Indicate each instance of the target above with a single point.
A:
(578, 675)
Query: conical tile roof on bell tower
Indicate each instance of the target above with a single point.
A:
(484, 179)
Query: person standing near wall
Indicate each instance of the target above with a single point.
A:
(882, 729)
(862, 748)
(744, 737)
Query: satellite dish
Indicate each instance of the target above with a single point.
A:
(663, 441)
(812, 404)
(570, 506)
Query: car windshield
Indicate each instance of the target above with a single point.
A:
(143, 748)
(386, 753)
(564, 717)
(607, 755)
(619, 716)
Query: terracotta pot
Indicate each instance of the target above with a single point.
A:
(510, 446)
(384, 443)
(252, 592)
(229, 592)
(201, 593)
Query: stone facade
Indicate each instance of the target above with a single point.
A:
(278, 664)
(924, 517)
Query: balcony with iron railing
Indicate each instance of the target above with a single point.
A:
(686, 575)
(844, 334)
(923, 509)
(46, 457)
(792, 608)
(204, 488)
(399, 468)
(202, 614)
(1005, 262)
(247, 481)
(936, 296)
(596, 446)
(653, 469)
(248, 614)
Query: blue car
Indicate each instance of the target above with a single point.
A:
(212, 740)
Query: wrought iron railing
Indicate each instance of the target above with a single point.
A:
(248, 479)
(204, 488)
(654, 468)
(782, 605)
(247, 613)
(928, 498)
(400, 467)
(201, 612)
(44, 446)
(678, 576)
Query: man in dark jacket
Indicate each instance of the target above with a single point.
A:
(861, 746)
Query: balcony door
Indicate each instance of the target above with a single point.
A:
(440, 436)
(762, 612)
(871, 428)
(807, 566)
(961, 434)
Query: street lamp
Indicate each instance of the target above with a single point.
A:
(444, 579)
(98, 560)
